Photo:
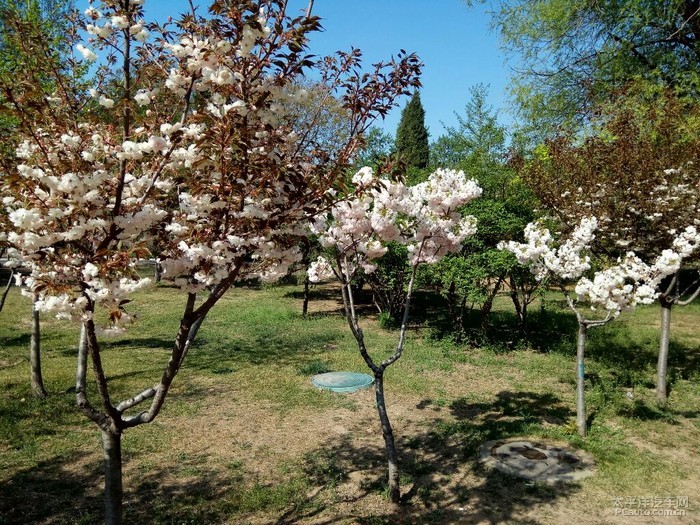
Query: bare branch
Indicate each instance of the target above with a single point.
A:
(138, 398)
(694, 295)
(682, 26)
(404, 323)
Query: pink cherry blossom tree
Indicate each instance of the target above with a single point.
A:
(426, 219)
(619, 287)
(182, 133)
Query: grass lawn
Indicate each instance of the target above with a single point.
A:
(245, 438)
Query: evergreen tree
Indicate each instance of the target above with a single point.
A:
(412, 135)
(477, 145)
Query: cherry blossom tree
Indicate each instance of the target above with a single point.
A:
(637, 170)
(41, 24)
(182, 130)
(619, 287)
(426, 219)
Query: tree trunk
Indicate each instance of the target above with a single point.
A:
(580, 375)
(452, 302)
(305, 306)
(522, 320)
(388, 433)
(36, 380)
(488, 306)
(520, 306)
(662, 366)
(112, 449)
(3, 297)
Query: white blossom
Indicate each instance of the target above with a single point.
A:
(120, 21)
(425, 218)
(87, 54)
(619, 287)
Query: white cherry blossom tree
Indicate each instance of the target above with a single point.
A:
(182, 132)
(637, 170)
(426, 219)
(619, 287)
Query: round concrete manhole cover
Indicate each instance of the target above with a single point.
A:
(537, 461)
(342, 381)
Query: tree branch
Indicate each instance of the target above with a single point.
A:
(348, 306)
(138, 398)
(693, 296)
(81, 383)
(404, 323)
(171, 369)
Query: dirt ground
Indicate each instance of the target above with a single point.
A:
(449, 488)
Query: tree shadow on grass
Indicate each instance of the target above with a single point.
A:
(21, 339)
(509, 414)
(443, 483)
(139, 342)
(627, 363)
(194, 491)
(622, 361)
(185, 492)
(641, 410)
(546, 331)
(283, 349)
(54, 491)
(683, 361)
(186, 489)
(316, 293)
(550, 331)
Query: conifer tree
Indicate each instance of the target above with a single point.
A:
(412, 135)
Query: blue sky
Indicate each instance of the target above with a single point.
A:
(453, 41)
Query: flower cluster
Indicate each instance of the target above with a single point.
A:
(60, 205)
(319, 270)
(567, 262)
(425, 218)
(620, 287)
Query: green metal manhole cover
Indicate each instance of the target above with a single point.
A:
(342, 381)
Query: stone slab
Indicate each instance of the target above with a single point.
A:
(537, 460)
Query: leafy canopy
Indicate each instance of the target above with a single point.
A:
(573, 54)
